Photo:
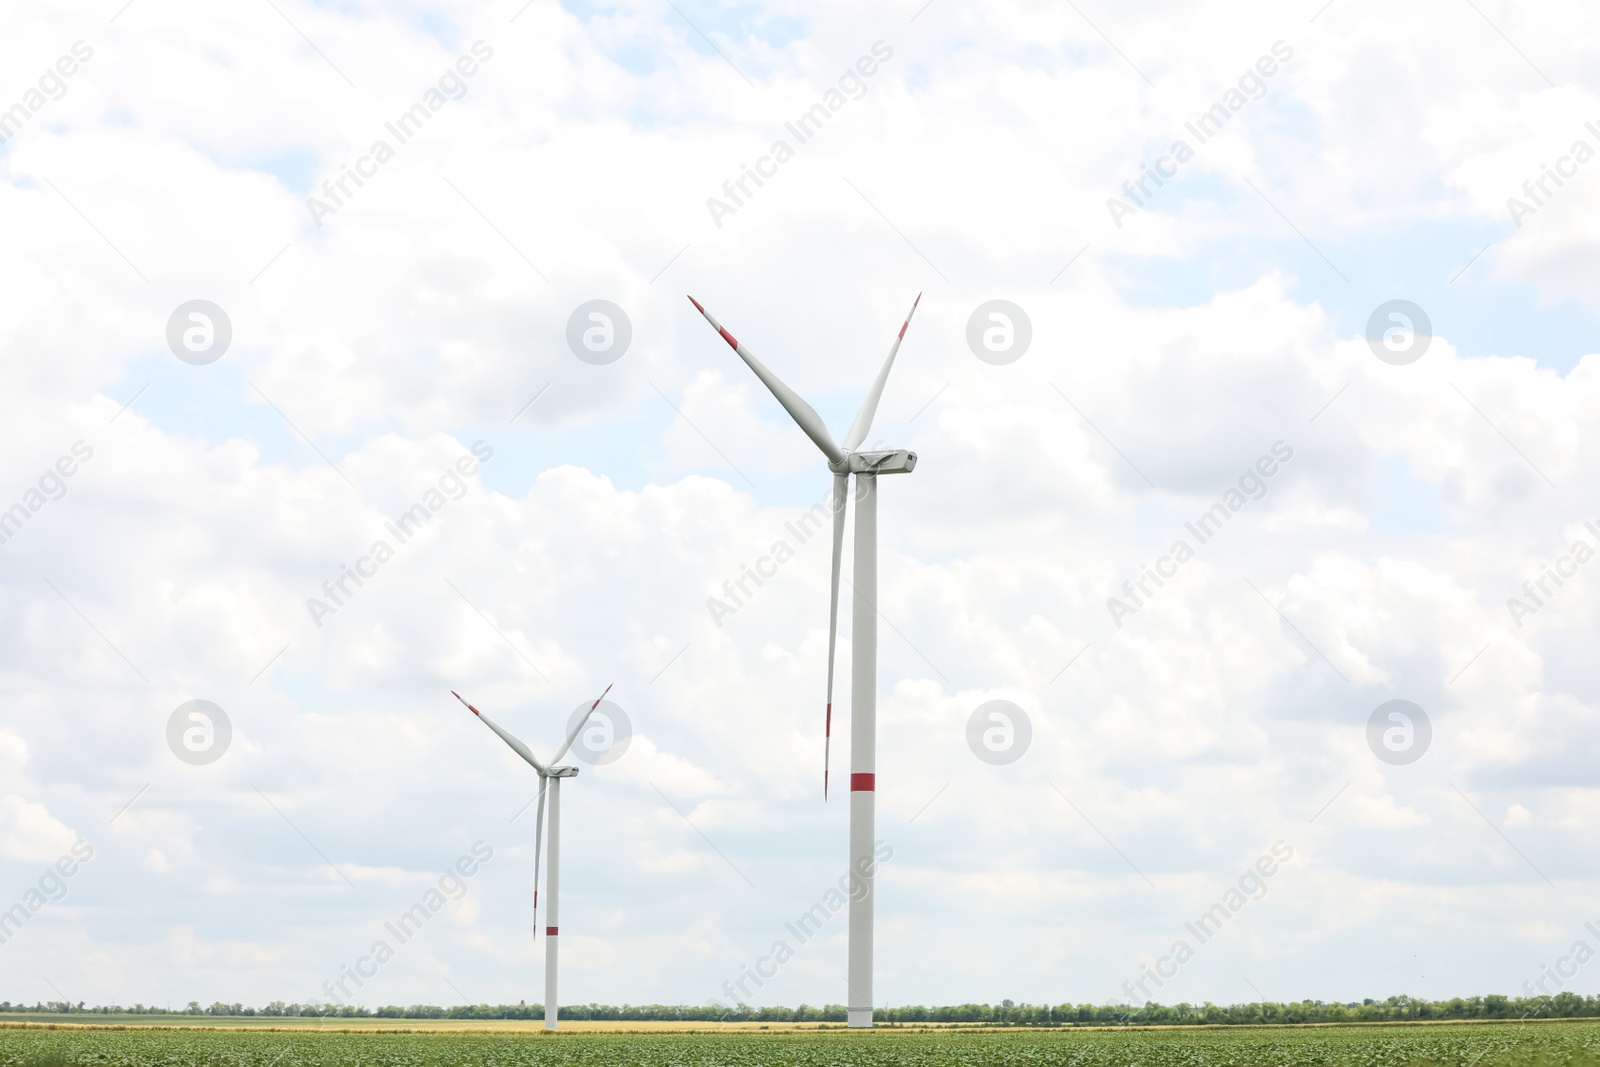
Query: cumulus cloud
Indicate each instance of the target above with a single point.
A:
(29, 832)
(423, 325)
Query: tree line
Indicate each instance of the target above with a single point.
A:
(1563, 1005)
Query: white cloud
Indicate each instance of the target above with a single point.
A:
(29, 832)
(374, 351)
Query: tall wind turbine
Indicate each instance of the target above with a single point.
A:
(549, 774)
(843, 461)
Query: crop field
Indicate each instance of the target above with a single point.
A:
(1456, 1045)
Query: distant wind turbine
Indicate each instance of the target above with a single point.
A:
(549, 774)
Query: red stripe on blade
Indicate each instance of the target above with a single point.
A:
(863, 783)
(906, 323)
(697, 306)
(728, 337)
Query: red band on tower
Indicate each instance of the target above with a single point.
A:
(551, 931)
(863, 783)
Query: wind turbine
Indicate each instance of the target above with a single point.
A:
(549, 774)
(843, 461)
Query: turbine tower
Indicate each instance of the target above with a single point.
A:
(843, 461)
(549, 774)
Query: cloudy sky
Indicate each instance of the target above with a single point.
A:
(360, 347)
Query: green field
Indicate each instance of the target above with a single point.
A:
(1450, 1045)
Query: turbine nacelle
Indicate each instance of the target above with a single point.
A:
(562, 772)
(898, 461)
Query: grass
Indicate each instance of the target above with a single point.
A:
(1545, 1044)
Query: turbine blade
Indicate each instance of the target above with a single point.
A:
(841, 489)
(869, 407)
(572, 735)
(516, 746)
(538, 851)
(802, 413)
